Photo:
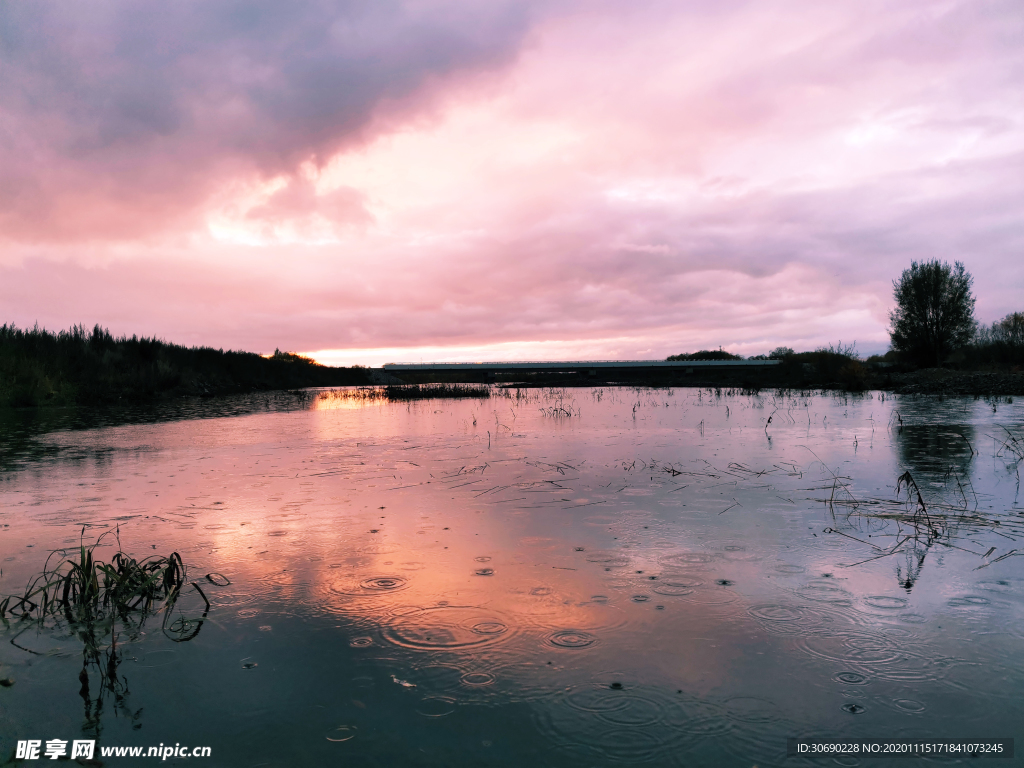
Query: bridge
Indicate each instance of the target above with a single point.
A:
(591, 367)
(575, 370)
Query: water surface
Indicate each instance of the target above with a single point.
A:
(581, 577)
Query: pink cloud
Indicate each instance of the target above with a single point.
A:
(527, 179)
(123, 116)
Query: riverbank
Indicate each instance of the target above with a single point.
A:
(81, 367)
(848, 376)
(947, 383)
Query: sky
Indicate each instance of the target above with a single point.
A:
(370, 181)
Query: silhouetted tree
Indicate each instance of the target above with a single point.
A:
(1001, 344)
(934, 312)
(1010, 330)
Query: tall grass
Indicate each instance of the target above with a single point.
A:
(397, 393)
(402, 392)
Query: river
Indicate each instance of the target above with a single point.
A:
(588, 577)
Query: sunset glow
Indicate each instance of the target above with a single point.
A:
(457, 181)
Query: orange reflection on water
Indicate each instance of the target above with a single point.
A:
(624, 572)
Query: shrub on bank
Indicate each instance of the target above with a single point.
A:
(1000, 345)
(705, 354)
(833, 364)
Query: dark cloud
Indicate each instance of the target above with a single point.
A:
(119, 116)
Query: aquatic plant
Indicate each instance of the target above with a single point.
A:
(521, 394)
(403, 392)
(1012, 448)
(395, 393)
(1013, 445)
(559, 411)
(103, 605)
(94, 598)
(920, 513)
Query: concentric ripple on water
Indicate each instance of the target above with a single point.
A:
(687, 559)
(625, 722)
(969, 601)
(608, 559)
(367, 587)
(869, 650)
(383, 583)
(852, 678)
(750, 709)
(775, 612)
(735, 551)
(826, 591)
(436, 706)
(342, 733)
(886, 602)
(909, 705)
(676, 584)
(789, 568)
(446, 626)
(477, 679)
(787, 618)
(570, 638)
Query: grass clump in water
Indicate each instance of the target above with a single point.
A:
(94, 598)
(103, 605)
(397, 393)
(403, 392)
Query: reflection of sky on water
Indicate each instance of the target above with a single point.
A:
(655, 579)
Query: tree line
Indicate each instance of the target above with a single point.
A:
(931, 324)
(82, 366)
